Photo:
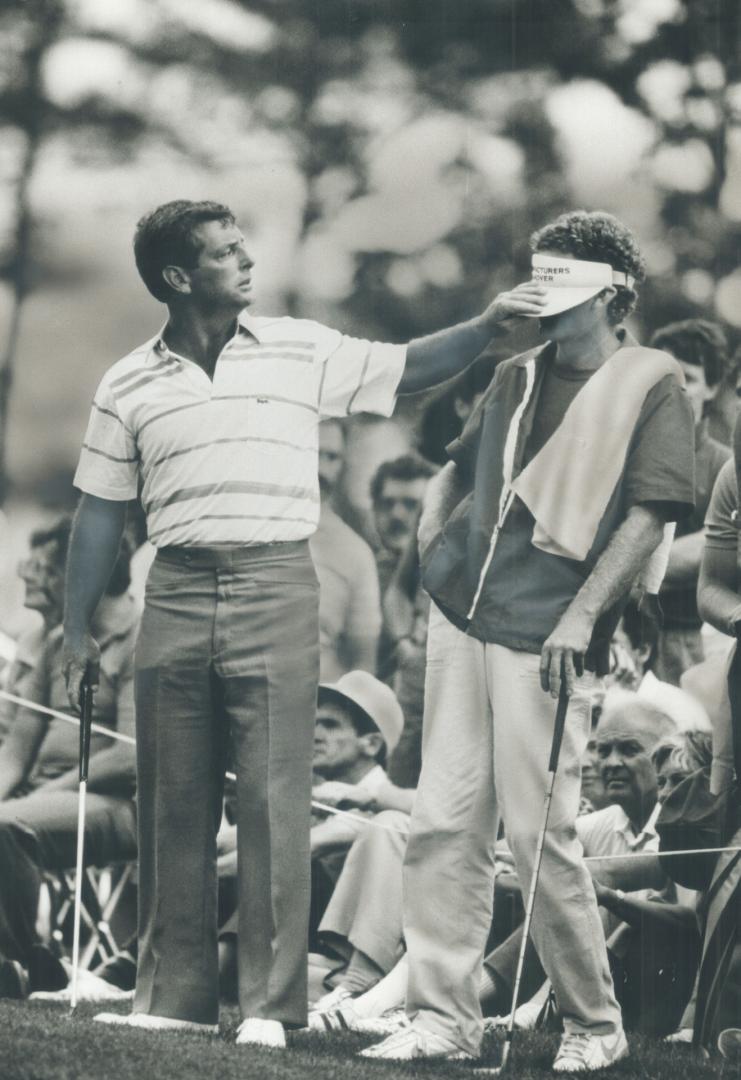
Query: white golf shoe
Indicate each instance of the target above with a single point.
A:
(581, 1051)
(255, 1031)
(145, 1022)
(410, 1043)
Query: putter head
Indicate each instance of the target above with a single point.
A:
(496, 1070)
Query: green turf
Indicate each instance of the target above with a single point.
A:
(41, 1042)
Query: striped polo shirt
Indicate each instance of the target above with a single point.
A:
(232, 460)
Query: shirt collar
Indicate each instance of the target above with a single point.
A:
(250, 324)
(247, 326)
(646, 838)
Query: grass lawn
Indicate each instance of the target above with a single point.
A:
(41, 1042)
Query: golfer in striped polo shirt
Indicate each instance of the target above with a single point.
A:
(214, 422)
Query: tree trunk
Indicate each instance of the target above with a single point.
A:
(43, 21)
(19, 286)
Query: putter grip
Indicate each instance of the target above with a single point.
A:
(561, 710)
(86, 723)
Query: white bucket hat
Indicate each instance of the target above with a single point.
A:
(374, 698)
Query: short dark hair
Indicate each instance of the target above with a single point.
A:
(696, 341)
(164, 237)
(410, 466)
(597, 236)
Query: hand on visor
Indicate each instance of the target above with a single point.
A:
(524, 300)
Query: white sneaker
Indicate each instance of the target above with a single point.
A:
(259, 1032)
(411, 1043)
(333, 1012)
(156, 1023)
(684, 1035)
(729, 1044)
(341, 1018)
(580, 1051)
(388, 1024)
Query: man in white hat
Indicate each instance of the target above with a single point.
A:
(358, 725)
(555, 498)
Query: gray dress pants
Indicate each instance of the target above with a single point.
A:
(226, 669)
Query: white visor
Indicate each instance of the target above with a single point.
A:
(569, 282)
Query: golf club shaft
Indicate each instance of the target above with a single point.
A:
(86, 720)
(78, 889)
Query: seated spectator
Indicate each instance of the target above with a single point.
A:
(39, 778)
(349, 600)
(701, 348)
(42, 573)
(363, 920)
(358, 723)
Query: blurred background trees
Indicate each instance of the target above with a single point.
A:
(388, 159)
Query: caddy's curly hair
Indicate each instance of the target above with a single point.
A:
(597, 236)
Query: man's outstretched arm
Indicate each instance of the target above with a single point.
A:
(93, 548)
(434, 359)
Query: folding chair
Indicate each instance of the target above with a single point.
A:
(102, 892)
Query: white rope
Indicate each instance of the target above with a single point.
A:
(119, 737)
(346, 813)
(657, 854)
(66, 716)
